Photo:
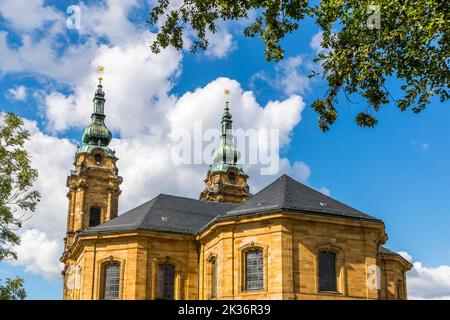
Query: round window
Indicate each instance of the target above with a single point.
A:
(98, 158)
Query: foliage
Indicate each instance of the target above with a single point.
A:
(12, 290)
(411, 43)
(17, 177)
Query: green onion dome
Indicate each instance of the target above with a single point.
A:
(97, 134)
(226, 155)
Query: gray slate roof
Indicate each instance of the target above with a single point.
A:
(184, 215)
(166, 213)
(386, 251)
(287, 193)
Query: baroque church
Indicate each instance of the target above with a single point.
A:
(287, 241)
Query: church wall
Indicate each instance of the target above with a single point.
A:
(291, 249)
(355, 247)
(229, 244)
(393, 278)
(139, 257)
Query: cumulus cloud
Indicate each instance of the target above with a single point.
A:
(136, 90)
(39, 254)
(17, 93)
(220, 44)
(301, 171)
(26, 15)
(201, 108)
(427, 282)
(53, 158)
(290, 76)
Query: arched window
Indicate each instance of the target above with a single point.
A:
(213, 263)
(166, 281)
(111, 281)
(327, 271)
(254, 272)
(94, 216)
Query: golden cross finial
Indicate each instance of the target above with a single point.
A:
(100, 70)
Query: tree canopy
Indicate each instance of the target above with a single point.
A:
(364, 44)
(12, 289)
(17, 196)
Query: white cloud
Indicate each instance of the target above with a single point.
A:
(136, 90)
(290, 76)
(203, 106)
(39, 254)
(427, 282)
(301, 171)
(52, 157)
(405, 255)
(291, 80)
(220, 44)
(26, 15)
(42, 238)
(325, 191)
(316, 43)
(110, 20)
(17, 93)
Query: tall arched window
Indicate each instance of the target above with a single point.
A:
(213, 263)
(254, 271)
(111, 281)
(327, 271)
(166, 281)
(94, 216)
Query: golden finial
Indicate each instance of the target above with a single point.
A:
(227, 101)
(100, 70)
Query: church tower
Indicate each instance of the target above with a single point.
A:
(226, 181)
(94, 184)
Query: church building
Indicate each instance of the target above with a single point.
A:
(287, 241)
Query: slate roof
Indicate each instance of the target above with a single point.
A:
(386, 251)
(166, 213)
(287, 193)
(184, 215)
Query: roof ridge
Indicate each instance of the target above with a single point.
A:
(269, 185)
(285, 180)
(155, 200)
(324, 195)
(193, 199)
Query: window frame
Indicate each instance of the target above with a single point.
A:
(334, 277)
(104, 280)
(261, 272)
(158, 281)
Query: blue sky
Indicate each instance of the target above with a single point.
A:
(397, 172)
